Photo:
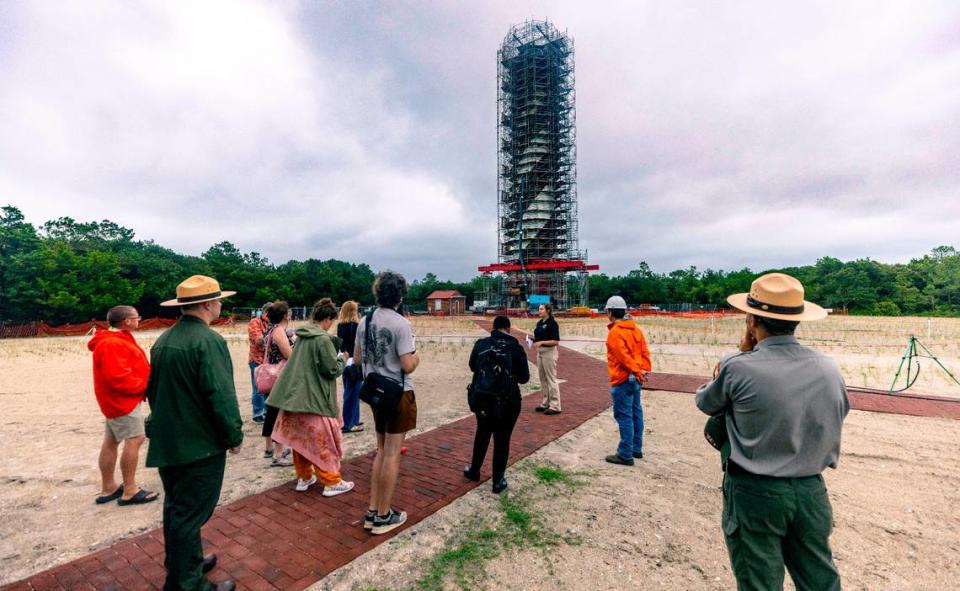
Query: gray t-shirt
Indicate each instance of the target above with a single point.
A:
(784, 405)
(392, 337)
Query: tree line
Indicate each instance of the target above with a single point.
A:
(70, 271)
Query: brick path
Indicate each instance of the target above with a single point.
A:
(281, 539)
(919, 405)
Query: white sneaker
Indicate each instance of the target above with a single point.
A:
(281, 462)
(337, 489)
(303, 485)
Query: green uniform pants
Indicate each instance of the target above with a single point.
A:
(190, 494)
(770, 523)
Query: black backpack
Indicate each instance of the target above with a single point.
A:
(492, 383)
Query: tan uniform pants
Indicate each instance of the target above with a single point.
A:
(547, 367)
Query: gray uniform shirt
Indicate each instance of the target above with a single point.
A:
(392, 337)
(785, 408)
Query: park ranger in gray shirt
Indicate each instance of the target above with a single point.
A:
(783, 406)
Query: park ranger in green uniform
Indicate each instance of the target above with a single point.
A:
(783, 406)
(194, 419)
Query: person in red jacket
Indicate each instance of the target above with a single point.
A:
(120, 373)
(628, 361)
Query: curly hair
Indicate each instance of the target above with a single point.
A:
(277, 312)
(325, 309)
(389, 289)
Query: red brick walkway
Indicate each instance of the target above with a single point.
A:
(281, 539)
(919, 405)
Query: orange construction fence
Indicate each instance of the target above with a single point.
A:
(42, 329)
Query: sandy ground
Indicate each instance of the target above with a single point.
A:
(51, 436)
(653, 526)
(657, 525)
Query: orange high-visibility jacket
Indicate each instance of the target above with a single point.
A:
(627, 352)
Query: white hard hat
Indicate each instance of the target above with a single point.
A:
(616, 303)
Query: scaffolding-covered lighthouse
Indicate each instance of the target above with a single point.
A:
(539, 257)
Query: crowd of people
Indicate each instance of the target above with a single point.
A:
(775, 414)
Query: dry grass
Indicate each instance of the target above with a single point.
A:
(868, 349)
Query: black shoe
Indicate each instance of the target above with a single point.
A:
(551, 411)
(499, 486)
(615, 459)
(209, 563)
(224, 586)
(540, 408)
(389, 522)
(368, 518)
(638, 455)
(258, 419)
(469, 474)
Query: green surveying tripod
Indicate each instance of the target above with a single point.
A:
(909, 358)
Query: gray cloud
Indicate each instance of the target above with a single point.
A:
(719, 136)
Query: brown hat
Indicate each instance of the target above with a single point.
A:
(196, 289)
(779, 296)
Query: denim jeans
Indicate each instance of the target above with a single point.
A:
(351, 402)
(628, 413)
(257, 399)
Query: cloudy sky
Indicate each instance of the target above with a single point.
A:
(719, 135)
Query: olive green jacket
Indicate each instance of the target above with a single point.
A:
(193, 402)
(308, 383)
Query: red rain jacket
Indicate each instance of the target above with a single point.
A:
(120, 372)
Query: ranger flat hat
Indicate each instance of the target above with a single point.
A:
(196, 289)
(776, 295)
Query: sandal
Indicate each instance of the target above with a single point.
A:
(142, 497)
(103, 499)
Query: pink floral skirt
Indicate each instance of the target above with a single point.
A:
(317, 438)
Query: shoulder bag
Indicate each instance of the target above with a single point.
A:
(381, 392)
(266, 374)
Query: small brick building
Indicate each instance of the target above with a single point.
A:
(446, 302)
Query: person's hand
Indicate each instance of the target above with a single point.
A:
(748, 342)
(716, 370)
(236, 450)
(642, 377)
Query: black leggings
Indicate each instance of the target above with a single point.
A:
(269, 420)
(501, 433)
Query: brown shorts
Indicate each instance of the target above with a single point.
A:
(403, 419)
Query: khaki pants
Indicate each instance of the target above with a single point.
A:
(547, 367)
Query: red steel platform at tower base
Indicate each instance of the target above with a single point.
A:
(539, 266)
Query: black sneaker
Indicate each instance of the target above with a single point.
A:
(540, 408)
(368, 518)
(389, 522)
(258, 419)
(551, 411)
(638, 455)
(499, 486)
(469, 474)
(615, 459)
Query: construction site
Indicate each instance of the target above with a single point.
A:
(538, 250)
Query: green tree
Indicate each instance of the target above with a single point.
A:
(19, 266)
(81, 286)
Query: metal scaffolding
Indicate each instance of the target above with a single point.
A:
(538, 246)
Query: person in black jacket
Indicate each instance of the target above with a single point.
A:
(503, 429)
(347, 331)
